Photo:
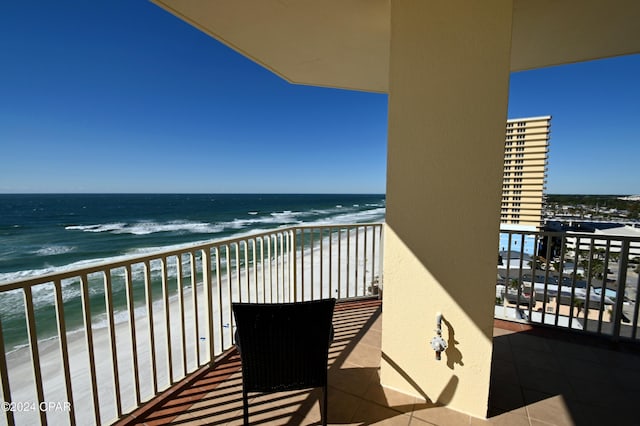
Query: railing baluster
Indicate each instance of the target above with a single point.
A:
(229, 290)
(280, 284)
(132, 332)
(64, 348)
(302, 273)
(237, 270)
(4, 379)
(262, 267)
(560, 271)
(533, 267)
(380, 252)
(321, 253)
(547, 267)
(331, 231)
(246, 269)
(270, 265)
(573, 301)
(194, 305)
(371, 256)
(348, 260)
(622, 282)
(183, 330)
(167, 321)
(293, 271)
(273, 242)
(312, 266)
(86, 309)
(589, 278)
(339, 263)
(255, 270)
(521, 264)
(208, 297)
(150, 328)
(635, 310)
(364, 261)
(508, 277)
(280, 267)
(356, 265)
(603, 288)
(35, 353)
(108, 293)
(287, 265)
(220, 300)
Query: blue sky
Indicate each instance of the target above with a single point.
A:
(121, 96)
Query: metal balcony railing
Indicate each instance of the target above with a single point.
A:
(582, 281)
(90, 345)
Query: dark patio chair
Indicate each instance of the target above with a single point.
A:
(283, 347)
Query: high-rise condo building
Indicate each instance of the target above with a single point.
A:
(525, 172)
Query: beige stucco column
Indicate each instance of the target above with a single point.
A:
(449, 78)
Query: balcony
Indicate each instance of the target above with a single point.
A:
(551, 360)
(538, 377)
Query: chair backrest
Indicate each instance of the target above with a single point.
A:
(284, 346)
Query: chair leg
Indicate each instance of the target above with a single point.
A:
(245, 407)
(325, 411)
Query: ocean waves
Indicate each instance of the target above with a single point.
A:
(253, 222)
(357, 216)
(53, 250)
(154, 227)
(111, 228)
(253, 219)
(150, 227)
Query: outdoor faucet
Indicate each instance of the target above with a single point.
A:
(438, 344)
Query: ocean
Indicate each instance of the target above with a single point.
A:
(48, 233)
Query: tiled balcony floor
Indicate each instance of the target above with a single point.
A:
(538, 378)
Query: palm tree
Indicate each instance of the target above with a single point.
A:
(597, 268)
(579, 304)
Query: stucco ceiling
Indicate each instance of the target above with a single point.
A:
(345, 43)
